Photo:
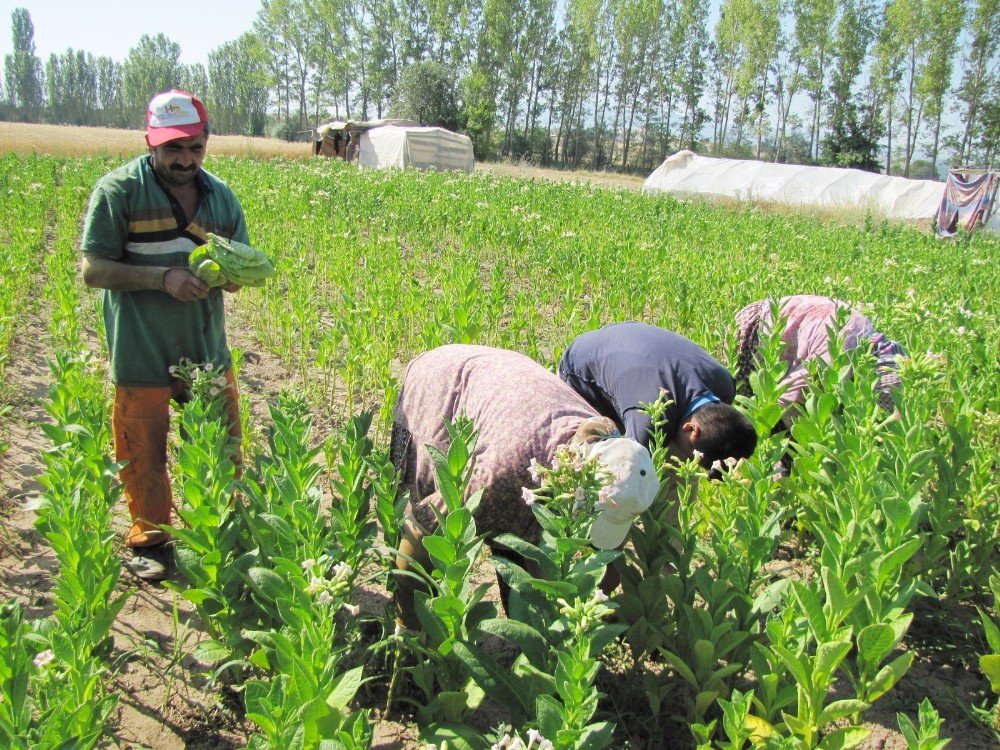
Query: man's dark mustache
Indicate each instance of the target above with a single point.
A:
(184, 169)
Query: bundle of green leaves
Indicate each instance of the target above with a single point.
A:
(220, 261)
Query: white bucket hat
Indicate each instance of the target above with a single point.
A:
(631, 493)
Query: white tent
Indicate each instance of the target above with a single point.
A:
(896, 197)
(420, 147)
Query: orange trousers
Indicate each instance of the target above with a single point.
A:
(140, 422)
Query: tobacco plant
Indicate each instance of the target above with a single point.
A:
(63, 697)
(451, 606)
(989, 663)
(556, 610)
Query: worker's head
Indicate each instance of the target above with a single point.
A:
(177, 135)
(718, 432)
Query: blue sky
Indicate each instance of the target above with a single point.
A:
(113, 27)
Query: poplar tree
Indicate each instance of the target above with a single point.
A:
(944, 22)
(980, 69)
(847, 145)
(153, 65)
(23, 75)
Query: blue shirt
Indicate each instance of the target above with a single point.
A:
(622, 365)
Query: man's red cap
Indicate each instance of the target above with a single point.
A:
(174, 114)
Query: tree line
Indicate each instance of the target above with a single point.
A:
(899, 86)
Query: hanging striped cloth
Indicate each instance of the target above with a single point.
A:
(967, 200)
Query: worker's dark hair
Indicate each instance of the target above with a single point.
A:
(724, 432)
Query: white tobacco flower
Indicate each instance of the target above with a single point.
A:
(533, 736)
(307, 564)
(828, 279)
(352, 609)
(599, 596)
(533, 470)
(213, 391)
(172, 369)
(698, 455)
(221, 381)
(45, 657)
(528, 496)
(731, 462)
(342, 571)
(324, 598)
(316, 585)
(209, 367)
(961, 330)
(717, 465)
(579, 494)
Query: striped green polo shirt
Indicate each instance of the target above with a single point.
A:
(134, 219)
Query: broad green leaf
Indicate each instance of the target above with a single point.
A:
(843, 738)
(990, 666)
(839, 709)
(211, 652)
(441, 551)
(531, 643)
(345, 687)
(875, 642)
(268, 584)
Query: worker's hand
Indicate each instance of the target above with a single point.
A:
(184, 286)
(231, 286)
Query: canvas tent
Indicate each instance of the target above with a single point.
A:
(333, 138)
(896, 197)
(420, 147)
(394, 143)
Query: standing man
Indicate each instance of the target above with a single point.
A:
(620, 366)
(143, 221)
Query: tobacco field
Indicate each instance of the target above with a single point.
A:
(850, 604)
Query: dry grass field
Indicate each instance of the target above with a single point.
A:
(67, 140)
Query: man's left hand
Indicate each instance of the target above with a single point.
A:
(231, 287)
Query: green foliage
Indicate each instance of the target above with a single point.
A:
(425, 93)
(923, 736)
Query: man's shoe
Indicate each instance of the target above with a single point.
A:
(151, 563)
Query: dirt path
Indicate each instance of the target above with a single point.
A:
(164, 702)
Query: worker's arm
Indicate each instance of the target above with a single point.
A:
(179, 283)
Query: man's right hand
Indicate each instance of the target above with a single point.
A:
(184, 286)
